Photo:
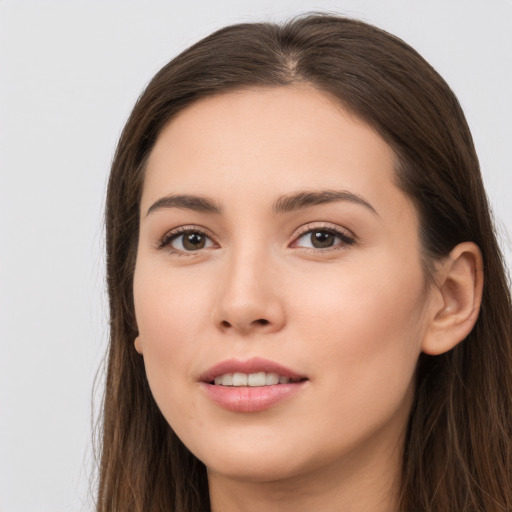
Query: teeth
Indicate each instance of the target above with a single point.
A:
(224, 380)
(252, 379)
(227, 380)
(256, 379)
(271, 379)
(239, 379)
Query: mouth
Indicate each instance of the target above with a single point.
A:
(254, 372)
(258, 379)
(252, 385)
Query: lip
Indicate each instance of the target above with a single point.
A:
(253, 365)
(250, 399)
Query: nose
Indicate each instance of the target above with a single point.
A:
(250, 298)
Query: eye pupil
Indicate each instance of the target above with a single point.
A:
(193, 241)
(321, 239)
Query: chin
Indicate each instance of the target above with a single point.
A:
(255, 469)
(260, 462)
(250, 461)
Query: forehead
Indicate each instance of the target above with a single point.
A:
(263, 143)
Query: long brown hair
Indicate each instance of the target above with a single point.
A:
(458, 448)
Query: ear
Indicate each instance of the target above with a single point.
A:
(138, 345)
(457, 298)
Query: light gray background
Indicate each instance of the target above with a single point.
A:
(70, 72)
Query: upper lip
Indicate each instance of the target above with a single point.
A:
(253, 365)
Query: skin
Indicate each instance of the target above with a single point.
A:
(352, 317)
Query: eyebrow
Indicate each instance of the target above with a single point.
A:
(284, 204)
(187, 202)
(308, 199)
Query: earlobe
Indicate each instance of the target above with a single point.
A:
(459, 293)
(138, 345)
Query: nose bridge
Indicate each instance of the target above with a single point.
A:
(248, 295)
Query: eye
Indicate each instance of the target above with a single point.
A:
(323, 238)
(187, 240)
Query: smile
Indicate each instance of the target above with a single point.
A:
(252, 385)
(258, 379)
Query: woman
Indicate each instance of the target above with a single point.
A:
(297, 234)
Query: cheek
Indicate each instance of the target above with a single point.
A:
(376, 300)
(172, 315)
(367, 326)
(170, 304)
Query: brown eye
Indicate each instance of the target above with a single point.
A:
(188, 241)
(323, 239)
(193, 241)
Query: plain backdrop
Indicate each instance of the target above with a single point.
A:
(70, 72)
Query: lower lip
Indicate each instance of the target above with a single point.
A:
(251, 399)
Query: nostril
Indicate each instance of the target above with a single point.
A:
(260, 322)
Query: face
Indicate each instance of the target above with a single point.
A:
(279, 292)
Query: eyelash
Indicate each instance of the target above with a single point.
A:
(170, 236)
(345, 239)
